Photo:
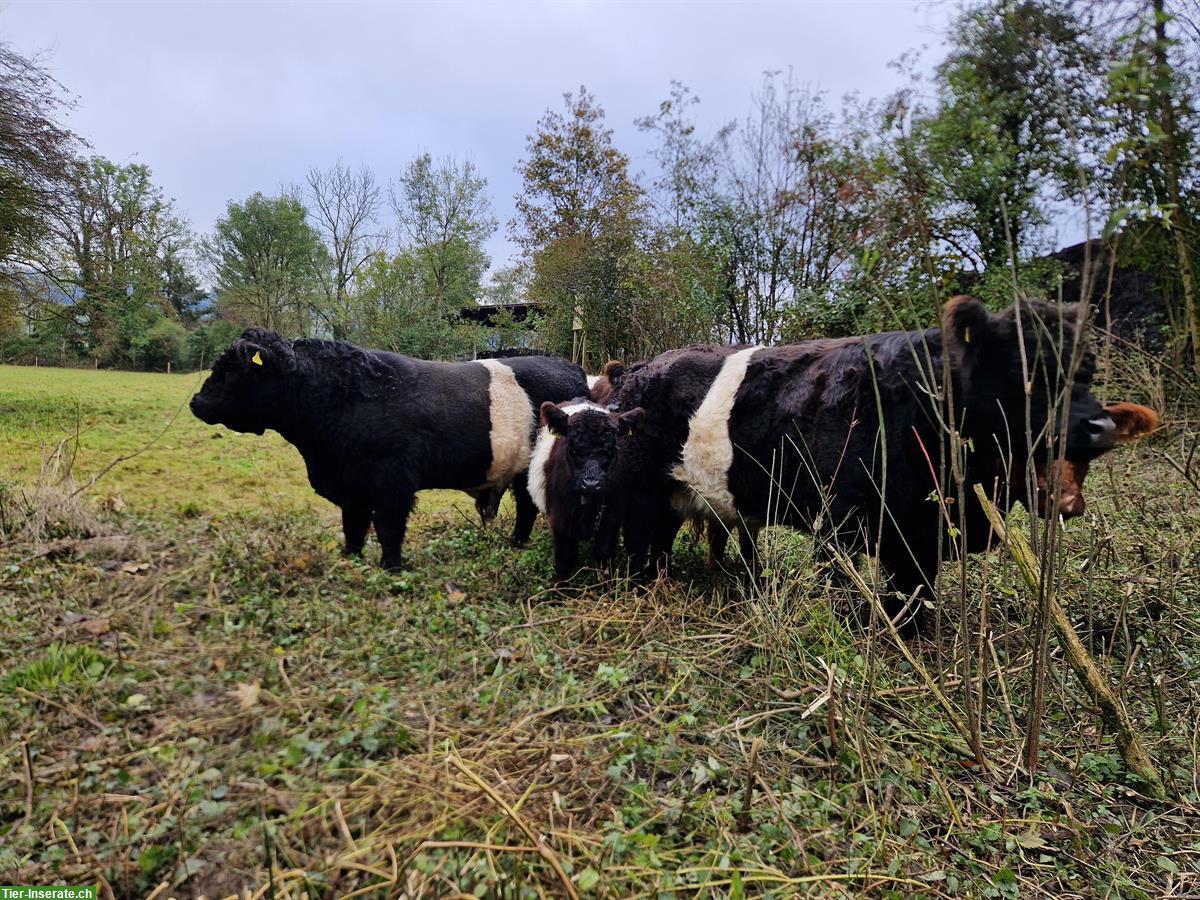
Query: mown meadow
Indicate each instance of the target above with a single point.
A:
(200, 697)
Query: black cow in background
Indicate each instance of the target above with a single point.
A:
(576, 478)
(794, 435)
(375, 427)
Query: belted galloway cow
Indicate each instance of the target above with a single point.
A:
(847, 438)
(376, 427)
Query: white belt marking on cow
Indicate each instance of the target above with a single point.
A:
(591, 380)
(541, 454)
(512, 418)
(707, 456)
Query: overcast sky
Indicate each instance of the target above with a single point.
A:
(224, 99)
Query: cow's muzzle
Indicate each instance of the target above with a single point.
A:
(1101, 432)
(202, 410)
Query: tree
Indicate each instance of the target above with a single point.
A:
(681, 277)
(758, 229)
(577, 221)
(507, 285)
(207, 340)
(1154, 176)
(116, 246)
(1015, 116)
(576, 182)
(400, 310)
(161, 346)
(445, 218)
(685, 186)
(264, 257)
(36, 153)
(181, 283)
(343, 206)
(791, 217)
(1172, 143)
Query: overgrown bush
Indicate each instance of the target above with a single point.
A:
(161, 346)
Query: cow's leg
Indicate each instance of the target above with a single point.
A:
(390, 524)
(487, 504)
(666, 527)
(911, 585)
(637, 544)
(566, 551)
(718, 538)
(637, 526)
(355, 523)
(748, 544)
(604, 544)
(526, 510)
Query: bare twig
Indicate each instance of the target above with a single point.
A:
(1113, 713)
(28, 762)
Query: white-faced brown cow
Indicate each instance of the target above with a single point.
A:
(576, 478)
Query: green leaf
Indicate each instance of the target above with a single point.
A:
(1031, 840)
(1167, 864)
(588, 879)
(1114, 221)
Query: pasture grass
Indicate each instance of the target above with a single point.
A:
(199, 697)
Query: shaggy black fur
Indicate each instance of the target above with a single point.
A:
(810, 450)
(374, 427)
(585, 490)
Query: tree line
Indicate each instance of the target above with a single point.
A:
(803, 217)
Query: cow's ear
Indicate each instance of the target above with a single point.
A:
(627, 423)
(967, 325)
(259, 357)
(1133, 421)
(555, 419)
(264, 351)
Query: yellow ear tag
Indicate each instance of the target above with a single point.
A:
(257, 358)
(967, 335)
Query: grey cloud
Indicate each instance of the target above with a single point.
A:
(221, 100)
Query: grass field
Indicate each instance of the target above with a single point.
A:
(112, 414)
(199, 697)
